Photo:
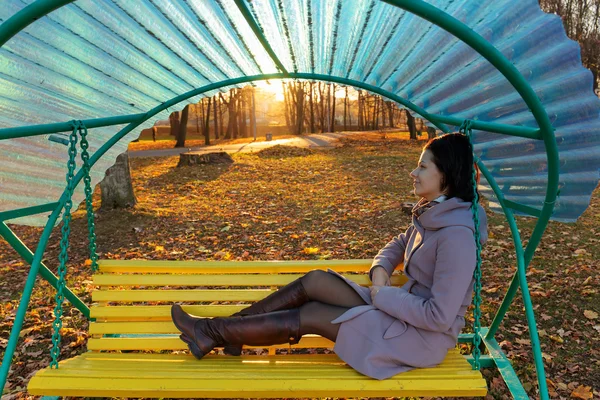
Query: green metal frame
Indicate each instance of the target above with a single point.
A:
(545, 132)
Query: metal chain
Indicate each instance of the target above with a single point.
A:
(64, 247)
(85, 157)
(466, 129)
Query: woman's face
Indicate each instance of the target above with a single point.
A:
(427, 178)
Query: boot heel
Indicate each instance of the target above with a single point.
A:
(195, 350)
(233, 350)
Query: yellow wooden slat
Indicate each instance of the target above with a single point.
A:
(171, 358)
(132, 296)
(216, 280)
(158, 313)
(250, 388)
(174, 343)
(164, 375)
(252, 364)
(258, 369)
(232, 267)
(103, 328)
(137, 375)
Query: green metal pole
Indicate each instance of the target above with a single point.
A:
(504, 366)
(36, 130)
(45, 273)
(27, 16)
(24, 212)
(26, 296)
(521, 278)
(512, 130)
(259, 34)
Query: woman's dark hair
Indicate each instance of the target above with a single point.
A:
(453, 156)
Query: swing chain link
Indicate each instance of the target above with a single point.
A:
(85, 157)
(466, 129)
(64, 246)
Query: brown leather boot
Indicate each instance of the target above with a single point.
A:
(204, 334)
(290, 296)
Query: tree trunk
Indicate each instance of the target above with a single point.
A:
(221, 125)
(233, 112)
(412, 128)
(286, 106)
(215, 116)
(346, 109)
(332, 124)
(299, 107)
(197, 116)
(430, 133)
(174, 122)
(116, 187)
(375, 113)
(253, 115)
(183, 127)
(322, 107)
(360, 110)
(187, 159)
(243, 107)
(391, 113)
(382, 109)
(349, 114)
(206, 120)
(312, 107)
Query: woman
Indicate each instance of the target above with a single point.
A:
(379, 331)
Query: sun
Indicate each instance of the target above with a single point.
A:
(273, 86)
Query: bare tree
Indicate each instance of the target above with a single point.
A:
(412, 127)
(174, 122)
(346, 108)
(206, 119)
(312, 106)
(181, 135)
(215, 116)
(581, 19)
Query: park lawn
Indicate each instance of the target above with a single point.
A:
(333, 204)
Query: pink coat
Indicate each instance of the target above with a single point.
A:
(415, 325)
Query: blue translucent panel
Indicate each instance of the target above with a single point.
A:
(99, 58)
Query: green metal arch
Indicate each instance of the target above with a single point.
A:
(42, 7)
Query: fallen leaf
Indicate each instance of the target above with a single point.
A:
(582, 392)
(311, 250)
(589, 314)
(587, 280)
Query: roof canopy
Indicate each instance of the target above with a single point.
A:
(100, 58)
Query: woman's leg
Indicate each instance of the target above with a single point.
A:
(327, 288)
(316, 317)
(316, 285)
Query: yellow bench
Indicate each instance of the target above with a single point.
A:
(132, 313)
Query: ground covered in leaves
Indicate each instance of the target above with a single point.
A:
(335, 204)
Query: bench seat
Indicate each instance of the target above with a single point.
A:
(134, 349)
(280, 376)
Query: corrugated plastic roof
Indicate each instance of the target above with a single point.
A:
(100, 58)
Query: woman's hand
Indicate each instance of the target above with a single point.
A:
(374, 290)
(380, 277)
